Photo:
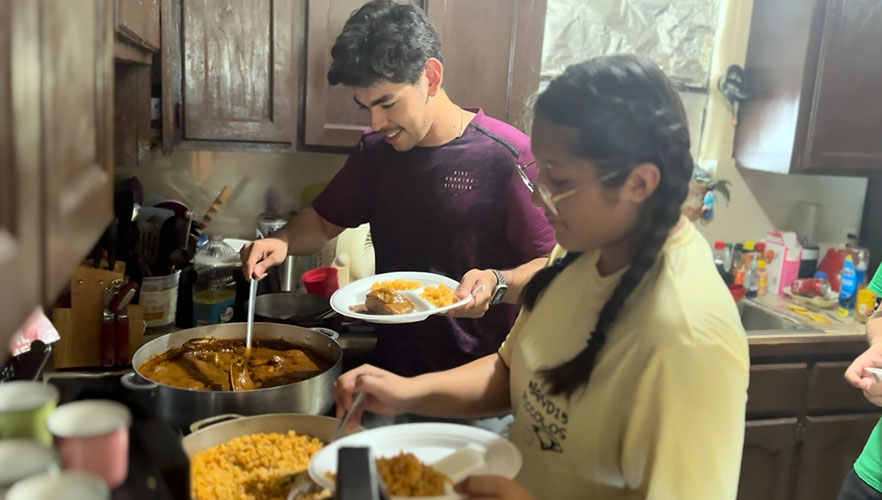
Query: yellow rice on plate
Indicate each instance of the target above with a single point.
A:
(439, 296)
(406, 476)
(396, 285)
(251, 467)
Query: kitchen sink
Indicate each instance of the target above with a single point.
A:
(758, 320)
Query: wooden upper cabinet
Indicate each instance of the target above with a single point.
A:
(498, 77)
(492, 53)
(138, 22)
(239, 70)
(813, 84)
(846, 127)
(19, 165)
(76, 61)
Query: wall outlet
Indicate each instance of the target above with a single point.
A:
(843, 238)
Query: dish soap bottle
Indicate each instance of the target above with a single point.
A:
(848, 288)
(214, 293)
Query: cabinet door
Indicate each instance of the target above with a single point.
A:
(492, 56)
(239, 69)
(76, 61)
(767, 460)
(496, 65)
(830, 447)
(844, 130)
(19, 166)
(138, 22)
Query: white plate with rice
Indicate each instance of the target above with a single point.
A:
(429, 443)
(419, 288)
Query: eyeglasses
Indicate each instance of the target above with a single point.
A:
(551, 200)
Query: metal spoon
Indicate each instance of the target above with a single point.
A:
(240, 379)
(348, 414)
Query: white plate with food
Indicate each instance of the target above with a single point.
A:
(401, 297)
(429, 447)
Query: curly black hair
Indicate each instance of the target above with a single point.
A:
(626, 112)
(384, 40)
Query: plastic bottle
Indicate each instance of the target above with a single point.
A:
(751, 280)
(738, 264)
(749, 254)
(763, 277)
(214, 292)
(848, 288)
(862, 261)
(722, 258)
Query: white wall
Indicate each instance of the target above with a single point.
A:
(196, 177)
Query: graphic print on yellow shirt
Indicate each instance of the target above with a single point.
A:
(663, 415)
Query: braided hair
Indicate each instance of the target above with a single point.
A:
(625, 112)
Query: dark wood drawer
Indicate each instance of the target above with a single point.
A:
(777, 389)
(829, 392)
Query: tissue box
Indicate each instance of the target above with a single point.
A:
(783, 268)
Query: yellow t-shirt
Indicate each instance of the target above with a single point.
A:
(663, 415)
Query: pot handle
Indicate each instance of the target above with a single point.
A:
(130, 382)
(327, 332)
(206, 422)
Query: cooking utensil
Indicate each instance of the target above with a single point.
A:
(240, 379)
(355, 405)
(213, 209)
(294, 308)
(181, 407)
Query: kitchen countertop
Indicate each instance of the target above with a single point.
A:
(839, 338)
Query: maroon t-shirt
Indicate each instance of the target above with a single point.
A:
(444, 209)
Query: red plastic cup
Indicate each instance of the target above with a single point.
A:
(321, 281)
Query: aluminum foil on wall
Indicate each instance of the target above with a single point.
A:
(676, 34)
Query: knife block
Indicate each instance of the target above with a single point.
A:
(79, 327)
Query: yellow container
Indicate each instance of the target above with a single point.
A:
(866, 303)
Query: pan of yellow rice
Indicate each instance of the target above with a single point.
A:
(253, 458)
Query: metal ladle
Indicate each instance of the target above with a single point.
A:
(240, 379)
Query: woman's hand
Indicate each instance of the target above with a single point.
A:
(387, 393)
(492, 488)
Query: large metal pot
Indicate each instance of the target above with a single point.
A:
(182, 407)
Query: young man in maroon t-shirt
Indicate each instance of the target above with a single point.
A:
(438, 185)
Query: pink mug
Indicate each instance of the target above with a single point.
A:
(93, 436)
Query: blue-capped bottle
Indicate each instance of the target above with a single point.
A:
(848, 288)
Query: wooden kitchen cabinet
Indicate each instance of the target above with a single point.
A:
(492, 56)
(769, 447)
(76, 72)
(813, 84)
(56, 167)
(830, 445)
(137, 29)
(240, 67)
(20, 232)
(805, 425)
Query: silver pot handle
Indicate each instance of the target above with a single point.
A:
(130, 382)
(206, 422)
(327, 332)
